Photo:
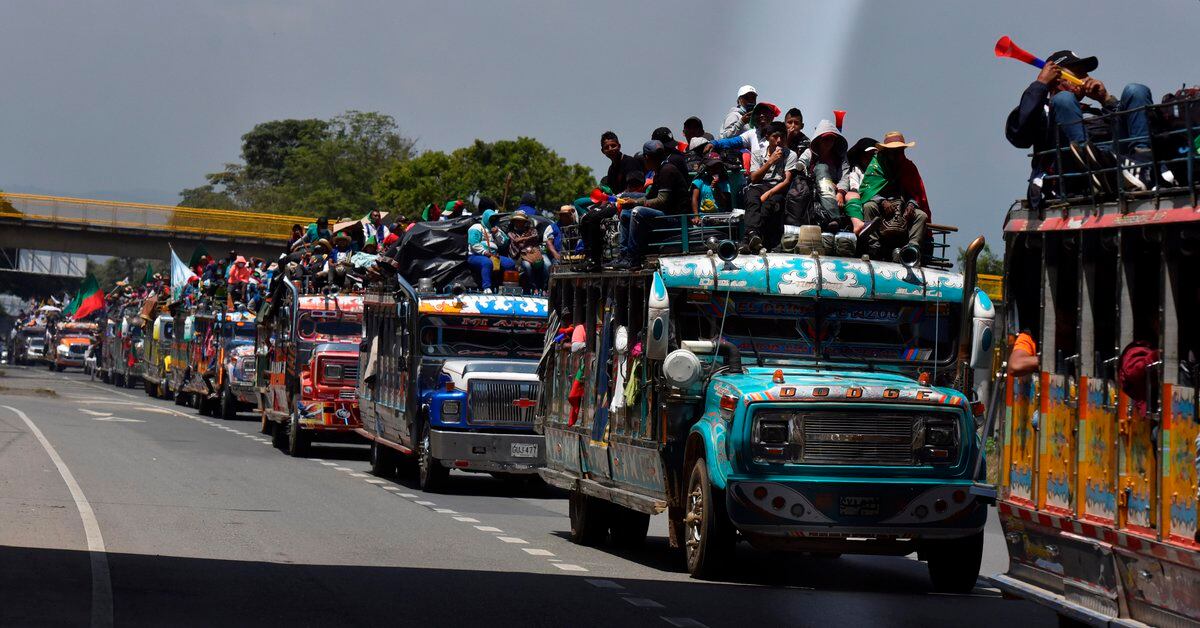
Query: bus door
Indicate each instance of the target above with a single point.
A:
(1181, 358)
(1024, 291)
(1057, 400)
(1096, 454)
(1141, 282)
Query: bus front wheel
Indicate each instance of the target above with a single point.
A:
(954, 563)
(710, 537)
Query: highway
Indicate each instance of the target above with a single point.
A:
(119, 509)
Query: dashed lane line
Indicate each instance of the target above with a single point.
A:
(569, 567)
(601, 583)
(533, 551)
(488, 529)
(642, 602)
(467, 519)
(683, 622)
(513, 539)
(102, 596)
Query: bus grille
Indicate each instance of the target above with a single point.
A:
(493, 402)
(867, 440)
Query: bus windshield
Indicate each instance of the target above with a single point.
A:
(330, 328)
(902, 332)
(443, 336)
(240, 330)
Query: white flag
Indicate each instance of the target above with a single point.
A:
(180, 273)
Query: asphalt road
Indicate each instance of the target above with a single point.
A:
(148, 514)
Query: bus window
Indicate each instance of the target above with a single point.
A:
(1022, 287)
(1102, 293)
(1063, 256)
(1187, 303)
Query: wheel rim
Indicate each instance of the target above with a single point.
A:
(694, 520)
(424, 460)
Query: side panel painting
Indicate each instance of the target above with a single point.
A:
(1179, 466)
(1021, 437)
(1097, 479)
(1056, 444)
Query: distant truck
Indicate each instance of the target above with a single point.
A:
(307, 366)
(70, 342)
(156, 359)
(28, 345)
(451, 381)
(120, 357)
(233, 381)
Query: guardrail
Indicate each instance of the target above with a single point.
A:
(164, 218)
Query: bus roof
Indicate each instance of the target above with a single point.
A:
(485, 305)
(796, 275)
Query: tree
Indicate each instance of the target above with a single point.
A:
(118, 268)
(307, 166)
(987, 263)
(482, 169)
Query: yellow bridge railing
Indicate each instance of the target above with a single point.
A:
(164, 218)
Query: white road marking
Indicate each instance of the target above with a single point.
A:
(375, 481)
(569, 567)
(513, 539)
(359, 475)
(342, 469)
(642, 602)
(445, 511)
(94, 413)
(408, 495)
(117, 419)
(424, 503)
(317, 459)
(330, 464)
(683, 622)
(158, 410)
(467, 519)
(389, 487)
(602, 584)
(533, 551)
(102, 597)
(488, 529)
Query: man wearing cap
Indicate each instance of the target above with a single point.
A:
(668, 197)
(1051, 114)
(738, 118)
(674, 150)
(892, 186)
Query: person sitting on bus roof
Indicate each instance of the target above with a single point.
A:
(552, 235)
(893, 193)
(738, 119)
(620, 164)
(859, 156)
(525, 248)
(318, 230)
(1051, 114)
(484, 242)
(528, 204)
(818, 190)
(675, 150)
(374, 227)
(1023, 359)
(668, 197)
(772, 167)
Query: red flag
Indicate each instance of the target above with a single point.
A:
(89, 299)
(575, 397)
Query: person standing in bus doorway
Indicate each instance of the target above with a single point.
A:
(1023, 360)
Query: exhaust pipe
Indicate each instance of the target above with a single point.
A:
(910, 256)
(732, 355)
(970, 259)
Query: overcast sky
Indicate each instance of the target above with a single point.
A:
(137, 100)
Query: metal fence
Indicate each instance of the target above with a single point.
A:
(164, 218)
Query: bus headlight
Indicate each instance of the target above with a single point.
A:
(451, 410)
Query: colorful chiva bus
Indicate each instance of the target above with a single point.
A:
(1099, 447)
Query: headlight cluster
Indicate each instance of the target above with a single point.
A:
(63, 349)
(451, 410)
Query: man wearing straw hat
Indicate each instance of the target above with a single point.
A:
(892, 193)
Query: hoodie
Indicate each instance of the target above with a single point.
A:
(839, 165)
(239, 274)
(480, 240)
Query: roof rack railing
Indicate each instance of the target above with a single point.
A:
(1106, 174)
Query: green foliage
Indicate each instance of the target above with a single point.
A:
(502, 170)
(988, 263)
(307, 167)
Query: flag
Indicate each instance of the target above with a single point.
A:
(89, 299)
(180, 273)
(149, 275)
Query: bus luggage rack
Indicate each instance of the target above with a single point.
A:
(1105, 174)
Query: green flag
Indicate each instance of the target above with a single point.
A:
(149, 274)
(196, 255)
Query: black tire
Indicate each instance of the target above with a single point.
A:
(954, 563)
(709, 535)
(431, 474)
(228, 405)
(629, 527)
(180, 398)
(278, 435)
(148, 387)
(383, 460)
(297, 440)
(590, 518)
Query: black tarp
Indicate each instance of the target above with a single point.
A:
(438, 250)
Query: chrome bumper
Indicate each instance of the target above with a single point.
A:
(475, 451)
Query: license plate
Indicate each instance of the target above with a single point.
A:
(859, 506)
(524, 450)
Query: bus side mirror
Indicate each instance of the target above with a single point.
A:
(658, 320)
(983, 336)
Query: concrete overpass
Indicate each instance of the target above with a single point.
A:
(76, 225)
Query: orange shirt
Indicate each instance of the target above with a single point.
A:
(1024, 342)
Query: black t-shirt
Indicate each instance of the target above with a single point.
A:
(618, 169)
(669, 180)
